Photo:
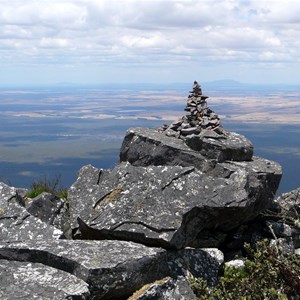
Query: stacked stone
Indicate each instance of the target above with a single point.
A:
(198, 117)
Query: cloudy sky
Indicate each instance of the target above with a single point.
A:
(128, 41)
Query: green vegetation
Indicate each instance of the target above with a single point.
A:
(47, 185)
(267, 274)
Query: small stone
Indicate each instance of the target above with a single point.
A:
(185, 125)
(236, 263)
(191, 130)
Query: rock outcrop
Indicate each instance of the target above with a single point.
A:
(114, 269)
(170, 189)
(167, 206)
(142, 228)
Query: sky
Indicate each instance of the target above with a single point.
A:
(143, 41)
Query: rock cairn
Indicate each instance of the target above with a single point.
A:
(199, 117)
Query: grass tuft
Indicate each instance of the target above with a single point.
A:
(49, 185)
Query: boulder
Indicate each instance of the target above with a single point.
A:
(25, 280)
(231, 146)
(167, 206)
(16, 223)
(115, 269)
(146, 146)
(267, 173)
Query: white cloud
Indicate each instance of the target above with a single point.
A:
(39, 13)
(144, 32)
(54, 43)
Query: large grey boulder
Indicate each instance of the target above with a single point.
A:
(16, 223)
(146, 146)
(267, 173)
(115, 269)
(25, 280)
(168, 206)
(229, 146)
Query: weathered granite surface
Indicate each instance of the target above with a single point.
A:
(167, 206)
(25, 280)
(50, 209)
(115, 269)
(16, 223)
(229, 146)
(147, 146)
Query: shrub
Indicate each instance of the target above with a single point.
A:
(267, 274)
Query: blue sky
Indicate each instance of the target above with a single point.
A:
(133, 41)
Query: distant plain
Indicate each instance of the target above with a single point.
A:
(51, 131)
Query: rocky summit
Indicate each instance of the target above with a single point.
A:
(181, 198)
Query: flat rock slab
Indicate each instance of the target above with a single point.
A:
(113, 268)
(25, 280)
(146, 146)
(229, 146)
(163, 206)
(16, 223)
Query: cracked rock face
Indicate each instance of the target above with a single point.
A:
(166, 206)
(50, 209)
(25, 280)
(16, 223)
(111, 269)
(146, 146)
